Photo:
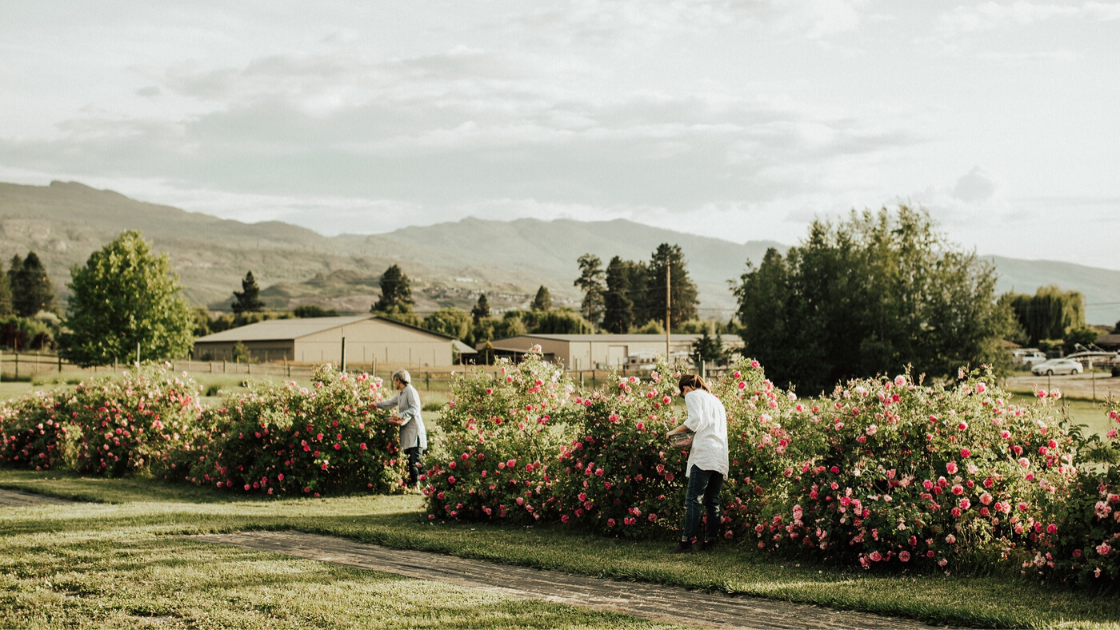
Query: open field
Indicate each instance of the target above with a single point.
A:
(68, 564)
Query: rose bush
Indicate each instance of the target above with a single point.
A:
(329, 438)
(501, 435)
(131, 423)
(34, 431)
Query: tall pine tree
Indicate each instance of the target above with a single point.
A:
(481, 309)
(248, 299)
(5, 294)
(396, 292)
(669, 259)
(543, 301)
(618, 307)
(590, 281)
(33, 291)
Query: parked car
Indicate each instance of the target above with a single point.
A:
(1058, 366)
(1027, 357)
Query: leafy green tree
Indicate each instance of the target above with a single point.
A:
(707, 349)
(124, 296)
(1116, 328)
(310, 311)
(668, 259)
(396, 291)
(872, 295)
(34, 290)
(543, 301)
(481, 309)
(401, 313)
(652, 327)
(202, 321)
(1048, 314)
(590, 281)
(562, 321)
(1080, 338)
(450, 321)
(618, 311)
(248, 299)
(241, 353)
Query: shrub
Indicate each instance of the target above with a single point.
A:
(502, 432)
(33, 431)
(291, 440)
(129, 423)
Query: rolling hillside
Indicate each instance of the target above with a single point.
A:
(449, 263)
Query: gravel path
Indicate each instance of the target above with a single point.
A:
(19, 498)
(660, 603)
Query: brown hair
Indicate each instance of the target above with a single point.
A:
(693, 381)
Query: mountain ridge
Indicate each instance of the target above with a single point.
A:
(450, 262)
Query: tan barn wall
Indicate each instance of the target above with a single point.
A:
(373, 340)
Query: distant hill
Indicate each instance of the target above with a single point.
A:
(449, 262)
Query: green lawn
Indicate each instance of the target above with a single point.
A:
(119, 563)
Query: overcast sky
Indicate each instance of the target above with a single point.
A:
(741, 120)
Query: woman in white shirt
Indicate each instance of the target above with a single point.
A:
(707, 461)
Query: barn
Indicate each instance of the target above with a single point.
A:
(606, 351)
(368, 339)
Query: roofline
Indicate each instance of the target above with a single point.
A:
(603, 335)
(370, 317)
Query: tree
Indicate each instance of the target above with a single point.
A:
(871, 295)
(311, 311)
(1048, 314)
(35, 291)
(1116, 329)
(543, 301)
(668, 259)
(6, 309)
(124, 296)
(706, 350)
(481, 309)
(590, 281)
(450, 321)
(618, 307)
(562, 321)
(396, 291)
(248, 300)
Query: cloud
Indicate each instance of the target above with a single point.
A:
(989, 16)
(149, 91)
(976, 185)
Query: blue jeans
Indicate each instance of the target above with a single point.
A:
(703, 492)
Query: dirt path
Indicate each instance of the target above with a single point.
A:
(19, 498)
(659, 603)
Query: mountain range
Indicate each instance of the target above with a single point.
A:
(449, 263)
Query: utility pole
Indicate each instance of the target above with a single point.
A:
(137, 354)
(343, 362)
(668, 308)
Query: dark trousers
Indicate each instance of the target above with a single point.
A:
(703, 493)
(414, 455)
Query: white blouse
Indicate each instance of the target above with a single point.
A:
(708, 419)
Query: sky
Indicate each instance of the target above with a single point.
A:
(742, 120)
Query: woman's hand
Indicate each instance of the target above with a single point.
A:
(396, 420)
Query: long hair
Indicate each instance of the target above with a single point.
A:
(693, 381)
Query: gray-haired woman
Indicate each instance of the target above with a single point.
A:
(413, 438)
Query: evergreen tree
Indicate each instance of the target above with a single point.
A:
(590, 281)
(248, 299)
(543, 301)
(669, 259)
(5, 294)
(707, 349)
(618, 307)
(481, 309)
(125, 296)
(396, 292)
(36, 292)
(15, 278)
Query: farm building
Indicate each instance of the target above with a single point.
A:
(589, 352)
(369, 339)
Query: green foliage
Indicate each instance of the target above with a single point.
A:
(481, 309)
(6, 307)
(34, 431)
(248, 299)
(618, 312)
(124, 296)
(1048, 314)
(396, 292)
(562, 321)
(241, 353)
(226, 321)
(652, 327)
(1080, 337)
(401, 313)
(871, 295)
(312, 311)
(543, 300)
(201, 316)
(450, 321)
(693, 327)
(708, 349)
(30, 333)
(31, 287)
(668, 260)
(590, 281)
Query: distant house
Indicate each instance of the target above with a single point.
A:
(1109, 341)
(369, 339)
(589, 352)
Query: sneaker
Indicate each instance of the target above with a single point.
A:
(682, 547)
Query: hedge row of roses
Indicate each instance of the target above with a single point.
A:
(880, 472)
(329, 438)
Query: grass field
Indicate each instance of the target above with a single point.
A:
(120, 562)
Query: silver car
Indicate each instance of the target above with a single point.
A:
(1057, 366)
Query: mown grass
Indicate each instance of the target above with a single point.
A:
(130, 537)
